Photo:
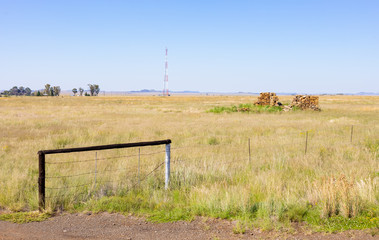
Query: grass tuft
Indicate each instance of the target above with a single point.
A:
(24, 217)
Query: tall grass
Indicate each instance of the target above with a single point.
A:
(211, 172)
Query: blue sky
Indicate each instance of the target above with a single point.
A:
(306, 46)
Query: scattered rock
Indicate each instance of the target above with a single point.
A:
(287, 108)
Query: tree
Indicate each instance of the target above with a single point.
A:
(81, 90)
(28, 91)
(18, 91)
(74, 90)
(97, 89)
(47, 90)
(56, 91)
(14, 91)
(21, 91)
(91, 89)
(94, 89)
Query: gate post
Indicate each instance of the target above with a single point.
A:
(41, 181)
(167, 161)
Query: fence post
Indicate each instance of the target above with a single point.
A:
(351, 134)
(167, 161)
(41, 181)
(306, 141)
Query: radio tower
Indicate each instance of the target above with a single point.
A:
(165, 89)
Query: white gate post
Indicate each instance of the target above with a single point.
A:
(167, 161)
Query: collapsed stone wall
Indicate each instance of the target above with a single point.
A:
(306, 102)
(267, 99)
(301, 101)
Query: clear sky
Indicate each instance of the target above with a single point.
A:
(306, 46)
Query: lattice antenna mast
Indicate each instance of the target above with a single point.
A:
(165, 89)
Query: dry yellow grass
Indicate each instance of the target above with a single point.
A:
(210, 151)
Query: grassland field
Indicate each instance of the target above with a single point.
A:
(334, 186)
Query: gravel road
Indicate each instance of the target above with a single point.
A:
(117, 226)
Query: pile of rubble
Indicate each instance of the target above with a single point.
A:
(306, 102)
(267, 99)
(301, 101)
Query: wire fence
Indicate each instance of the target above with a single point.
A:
(121, 173)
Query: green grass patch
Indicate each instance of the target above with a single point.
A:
(372, 145)
(213, 141)
(24, 217)
(131, 203)
(138, 203)
(171, 215)
(177, 205)
(339, 223)
(247, 108)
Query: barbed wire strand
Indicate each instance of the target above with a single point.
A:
(74, 175)
(65, 195)
(67, 187)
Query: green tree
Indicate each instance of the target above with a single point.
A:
(81, 90)
(94, 89)
(56, 91)
(97, 89)
(21, 91)
(47, 90)
(14, 91)
(28, 91)
(91, 89)
(74, 90)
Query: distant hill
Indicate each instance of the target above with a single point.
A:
(157, 92)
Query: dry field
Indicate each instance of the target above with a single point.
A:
(211, 171)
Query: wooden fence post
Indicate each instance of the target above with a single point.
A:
(41, 181)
